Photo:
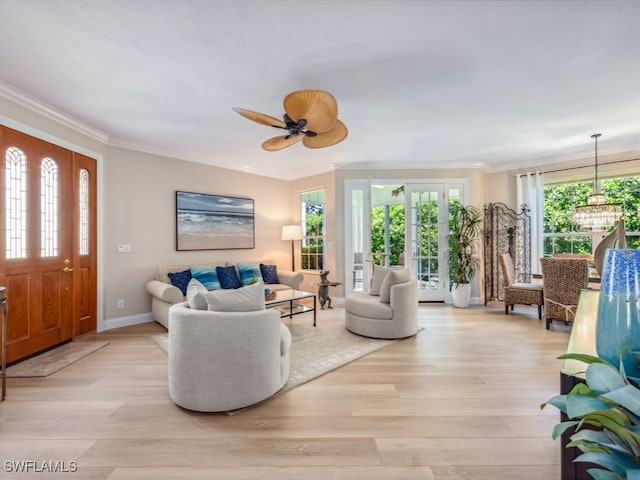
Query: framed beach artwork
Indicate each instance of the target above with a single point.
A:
(213, 222)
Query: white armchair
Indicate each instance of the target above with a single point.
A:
(220, 361)
(390, 310)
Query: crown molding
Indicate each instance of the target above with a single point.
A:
(25, 100)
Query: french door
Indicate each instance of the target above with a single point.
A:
(426, 227)
(407, 223)
(48, 257)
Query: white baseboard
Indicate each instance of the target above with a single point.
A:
(126, 321)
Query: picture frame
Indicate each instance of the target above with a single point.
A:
(214, 222)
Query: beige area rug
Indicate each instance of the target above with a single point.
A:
(317, 350)
(54, 360)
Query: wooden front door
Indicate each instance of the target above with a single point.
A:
(48, 247)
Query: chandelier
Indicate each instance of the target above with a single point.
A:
(597, 215)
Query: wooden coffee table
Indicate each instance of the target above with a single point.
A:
(287, 297)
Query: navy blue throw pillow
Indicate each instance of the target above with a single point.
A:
(269, 273)
(180, 280)
(228, 277)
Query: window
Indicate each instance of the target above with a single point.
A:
(561, 235)
(83, 201)
(313, 227)
(49, 203)
(16, 203)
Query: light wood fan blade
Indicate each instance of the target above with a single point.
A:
(317, 107)
(333, 136)
(283, 141)
(261, 118)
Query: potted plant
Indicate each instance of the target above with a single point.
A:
(465, 223)
(604, 413)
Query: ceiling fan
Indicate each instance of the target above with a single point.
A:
(310, 116)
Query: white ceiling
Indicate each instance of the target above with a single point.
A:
(500, 84)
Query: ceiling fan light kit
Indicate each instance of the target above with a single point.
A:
(311, 116)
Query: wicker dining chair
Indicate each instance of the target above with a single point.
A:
(563, 279)
(519, 293)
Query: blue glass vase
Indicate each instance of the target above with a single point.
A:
(618, 322)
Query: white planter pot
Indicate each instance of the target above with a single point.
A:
(461, 294)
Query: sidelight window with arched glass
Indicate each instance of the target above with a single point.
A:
(16, 203)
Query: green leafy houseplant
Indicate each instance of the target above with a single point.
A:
(609, 405)
(465, 223)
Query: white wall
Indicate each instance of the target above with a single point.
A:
(140, 211)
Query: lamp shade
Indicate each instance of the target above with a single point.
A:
(292, 232)
(583, 331)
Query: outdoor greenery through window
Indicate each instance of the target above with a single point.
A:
(388, 222)
(313, 226)
(395, 229)
(394, 215)
(562, 235)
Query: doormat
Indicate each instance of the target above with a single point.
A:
(54, 360)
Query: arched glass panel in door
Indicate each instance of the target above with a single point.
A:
(49, 208)
(16, 203)
(83, 202)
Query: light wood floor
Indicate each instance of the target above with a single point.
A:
(458, 401)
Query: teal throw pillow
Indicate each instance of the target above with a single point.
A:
(249, 273)
(228, 277)
(207, 276)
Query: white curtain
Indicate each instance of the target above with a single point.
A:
(530, 191)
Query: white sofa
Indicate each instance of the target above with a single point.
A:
(220, 361)
(389, 310)
(164, 294)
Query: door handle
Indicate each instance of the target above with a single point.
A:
(67, 268)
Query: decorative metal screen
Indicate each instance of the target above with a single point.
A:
(505, 231)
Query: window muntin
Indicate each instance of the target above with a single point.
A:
(313, 226)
